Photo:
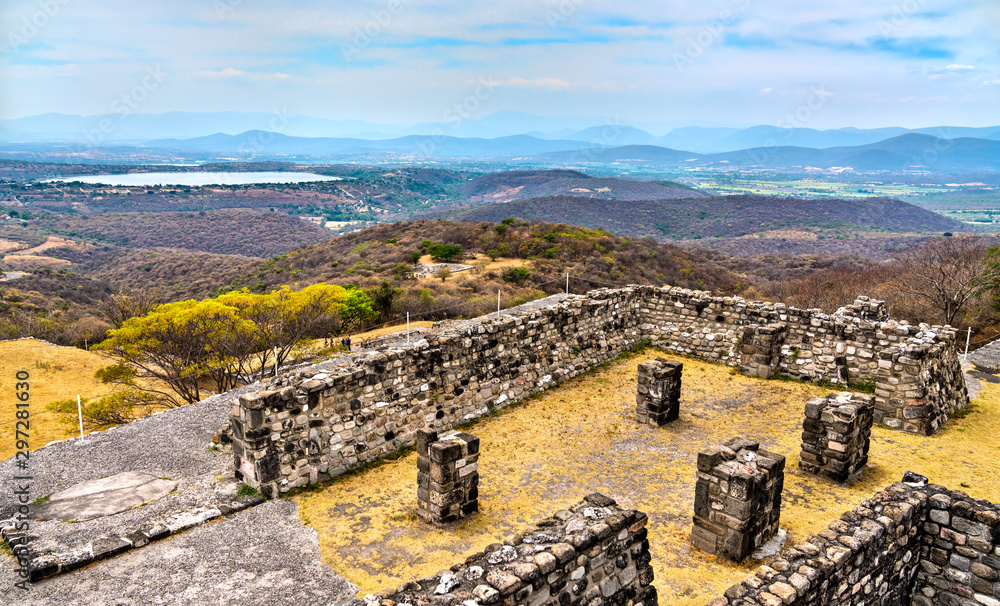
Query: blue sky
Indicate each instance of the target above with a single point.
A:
(864, 63)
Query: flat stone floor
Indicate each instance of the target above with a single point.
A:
(580, 438)
(260, 556)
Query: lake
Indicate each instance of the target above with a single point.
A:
(198, 179)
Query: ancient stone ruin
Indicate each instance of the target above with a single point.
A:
(321, 421)
(836, 434)
(592, 553)
(659, 392)
(737, 499)
(909, 544)
(447, 476)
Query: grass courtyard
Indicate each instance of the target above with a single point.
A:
(548, 453)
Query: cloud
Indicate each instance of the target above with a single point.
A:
(230, 73)
(549, 83)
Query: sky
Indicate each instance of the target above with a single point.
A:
(650, 63)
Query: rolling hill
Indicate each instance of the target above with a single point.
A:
(715, 216)
(911, 151)
(512, 185)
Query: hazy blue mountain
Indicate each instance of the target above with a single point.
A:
(697, 138)
(612, 134)
(718, 140)
(117, 128)
(264, 143)
(911, 151)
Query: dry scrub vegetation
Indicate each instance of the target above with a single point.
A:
(580, 438)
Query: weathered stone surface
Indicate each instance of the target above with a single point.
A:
(659, 392)
(447, 477)
(104, 497)
(836, 434)
(738, 500)
(613, 571)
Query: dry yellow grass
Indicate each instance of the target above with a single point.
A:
(20, 261)
(581, 438)
(357, 338)
(57, 373)
(50, 243)
(7, 245)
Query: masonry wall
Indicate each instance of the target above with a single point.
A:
(323, 420)
(870, 556)
(960, 559)
(593, 553)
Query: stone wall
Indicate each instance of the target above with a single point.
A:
(906, 545)
(960, 559)
(737, 499)
(920, 384)
(836, 435)
(593, 553)
(330, 417)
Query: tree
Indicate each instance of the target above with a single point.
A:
(947, 273)
(120, 307)
(227, 339)
(444, 252)
(384, 297)
(444, 273)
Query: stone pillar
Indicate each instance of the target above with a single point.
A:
(760, 353)
(447, 475)
(836, 434)
(659, 392)
(737, 499)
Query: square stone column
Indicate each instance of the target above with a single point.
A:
(737, 499)
(836, 434)
(447, 475)
(659, 392)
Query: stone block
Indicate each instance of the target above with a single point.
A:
(836, 434)
(738, 501)
(448, 477)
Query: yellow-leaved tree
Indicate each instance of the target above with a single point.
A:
(227, 340)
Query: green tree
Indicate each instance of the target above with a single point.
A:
(444, 252)
(384, 297)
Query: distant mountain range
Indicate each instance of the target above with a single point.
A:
(278, 136)
(141, 128)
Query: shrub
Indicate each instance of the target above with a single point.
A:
(517, 275)
(444, 252)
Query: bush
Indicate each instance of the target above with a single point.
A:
(444, 252)
(517, 275)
